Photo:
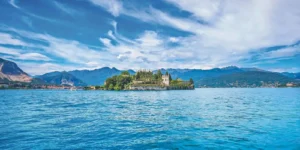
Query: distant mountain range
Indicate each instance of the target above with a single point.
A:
(61, 78)
(246, 79)
(97, 76)
(218, 77)
(292, 75)
(197, 74)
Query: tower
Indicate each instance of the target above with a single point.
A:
(166, 80)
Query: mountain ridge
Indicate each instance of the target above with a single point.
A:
(247, 79)
(98, 76)
(9, 71)
(61, 78)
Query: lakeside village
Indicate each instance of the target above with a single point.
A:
(144, 80)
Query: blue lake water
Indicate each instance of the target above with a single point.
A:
(257, 118)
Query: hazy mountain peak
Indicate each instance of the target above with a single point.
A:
(11, 72)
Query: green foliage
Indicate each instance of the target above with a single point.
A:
(117, 87)
(191, 81)
(179, 84)
(111, 87)
(155, 77)
(159, 74)
(173, 82)
(144, 75)
(133, 76)
(118, 82)
(125, 73)
(86, 88)
(138, 76)
(144, 78)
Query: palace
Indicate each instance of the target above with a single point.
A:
(145, 80)
(166, 79)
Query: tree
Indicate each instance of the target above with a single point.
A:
(111, 87)
(125, 73)
(191, 81)
(133, 77)
(108, 82)
(159, 74)
(167, 73)
(138, 75)
(117, 88)
(170, 78)
(174, 82)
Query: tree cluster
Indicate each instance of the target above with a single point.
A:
(118, 82)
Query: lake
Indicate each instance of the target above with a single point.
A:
(232, 118)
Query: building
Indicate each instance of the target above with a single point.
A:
(289, 84)
(166, 79)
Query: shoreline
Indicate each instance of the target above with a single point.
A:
(81, 89)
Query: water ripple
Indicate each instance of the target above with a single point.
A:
(197, 119)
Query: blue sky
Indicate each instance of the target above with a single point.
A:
(43, 36)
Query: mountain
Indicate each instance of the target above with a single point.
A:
(217, 77)
(292, 75)
(9, 71)
(61, 78)
(88, 77)
(97, 76)
(246, 79)
(197, 74)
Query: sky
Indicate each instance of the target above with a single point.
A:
(61, 35)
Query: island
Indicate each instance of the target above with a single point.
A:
(144, 80)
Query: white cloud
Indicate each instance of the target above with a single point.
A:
(118, 37)
(94, 64)
(282, 53)
(156, 16)
(149, 39)
(122, 57)
(174, 39)
(6, 38)
(33, 56)
(22, 55)
(105, 41)
(150, 15)
(66, 9)
(206, 10)
(235, 27)
(112, 6)
(149, 50)
(232, 30)
(13, 3)
(70, 50)
(9, 51)
(41, 68)
(287, 69)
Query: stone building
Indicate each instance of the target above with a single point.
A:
(166, 79)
